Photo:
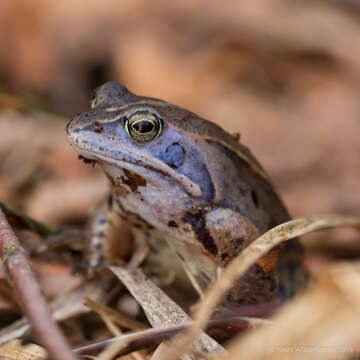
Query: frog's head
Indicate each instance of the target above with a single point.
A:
(160, 142)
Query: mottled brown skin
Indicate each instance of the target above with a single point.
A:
(192, 188)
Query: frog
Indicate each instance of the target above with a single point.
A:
(189, 190)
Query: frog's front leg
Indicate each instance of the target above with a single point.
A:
(108, 237)
(276, 276)
(224, 233)
(214, 238)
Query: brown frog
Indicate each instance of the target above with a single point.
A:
(187, 188)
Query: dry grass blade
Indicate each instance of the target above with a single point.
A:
(160, 310)
(323, 323)
(241, 264)
(105, 316)
(109, 317)
(159, 350)
(116, 317)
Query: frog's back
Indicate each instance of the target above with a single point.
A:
(243, 187)
(239, 180)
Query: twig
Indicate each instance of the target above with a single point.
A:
(61, 237)
(25, 222)
(65, 306)
(231, 323)
(34, 305)
(242, 263)
(134, 341)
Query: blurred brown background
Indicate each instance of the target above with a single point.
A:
(285, 74)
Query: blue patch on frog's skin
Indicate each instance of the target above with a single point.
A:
(174, 155)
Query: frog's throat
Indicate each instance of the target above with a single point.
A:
(191, 188)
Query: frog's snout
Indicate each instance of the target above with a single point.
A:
(74, 125)
(67, 129)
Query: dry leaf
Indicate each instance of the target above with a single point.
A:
(160, 310)
(14, 350)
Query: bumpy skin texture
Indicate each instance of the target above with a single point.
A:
(193, 187)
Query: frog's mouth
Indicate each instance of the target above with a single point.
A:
(125, 161)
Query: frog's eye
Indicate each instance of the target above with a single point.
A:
(143, 127)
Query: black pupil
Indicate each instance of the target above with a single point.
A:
(143, 126)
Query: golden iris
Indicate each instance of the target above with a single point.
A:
(143, 127)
